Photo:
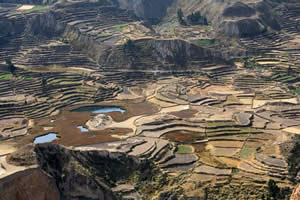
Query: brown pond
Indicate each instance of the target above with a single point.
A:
(66, 124)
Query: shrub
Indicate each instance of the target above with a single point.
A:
(11, 66)
(294, 161)
(129, 44)
(196, 18)
(180, 17)
(276, 192)
(273, 188)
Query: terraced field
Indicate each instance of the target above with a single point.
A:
(205, 120)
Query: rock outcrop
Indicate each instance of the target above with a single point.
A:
(99, 122)
(33, 184)
(97, 171)
(24, 156)
(159, 55)
(232, 18)
(296, 193)
(63, 173)
(242, 20)
(238, 9)
(45, 25)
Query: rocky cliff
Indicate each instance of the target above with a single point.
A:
(86, 174)
(30, 184)
(71, 174)
(45, 25)
(232, 18)
(157, 55)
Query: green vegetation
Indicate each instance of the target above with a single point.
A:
(250, 130)
(11, 66)
(120, 27)
(284, 77)
(9, 76)
(196, 18)
(241, 191)
(28, 78)
(250, 63)
(294, 90)
(246, 152)
(103, 34)
(184, 149)
(180, 17)
(276, 192)
(294, 161)
(36, 8)
(128, 44)
(221, 123)
(5, 76)
(205, 42)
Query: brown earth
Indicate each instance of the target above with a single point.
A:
(183, 136)
(28, 184)
(185, 113)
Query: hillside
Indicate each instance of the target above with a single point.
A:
(148, 99)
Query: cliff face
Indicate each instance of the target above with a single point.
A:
(86, 175)
(160, 55)
(70, 175)
(151, 10)
(29, 27)
(232, 18)
(30, 184)
(45, 25)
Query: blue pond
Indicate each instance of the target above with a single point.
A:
(98, 109)
(45, 138)
(82, 129)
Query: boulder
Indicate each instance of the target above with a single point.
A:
(99, 122)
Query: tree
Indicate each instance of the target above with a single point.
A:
(196, 18)
(129, 44)
(180, 17)
(11, 67)
(273, 189)
(276, 192)
(205, 21)
(294, 161)
(44, 84)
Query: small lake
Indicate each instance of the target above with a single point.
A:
(82, 129)
(98, 109)
(45, 138)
